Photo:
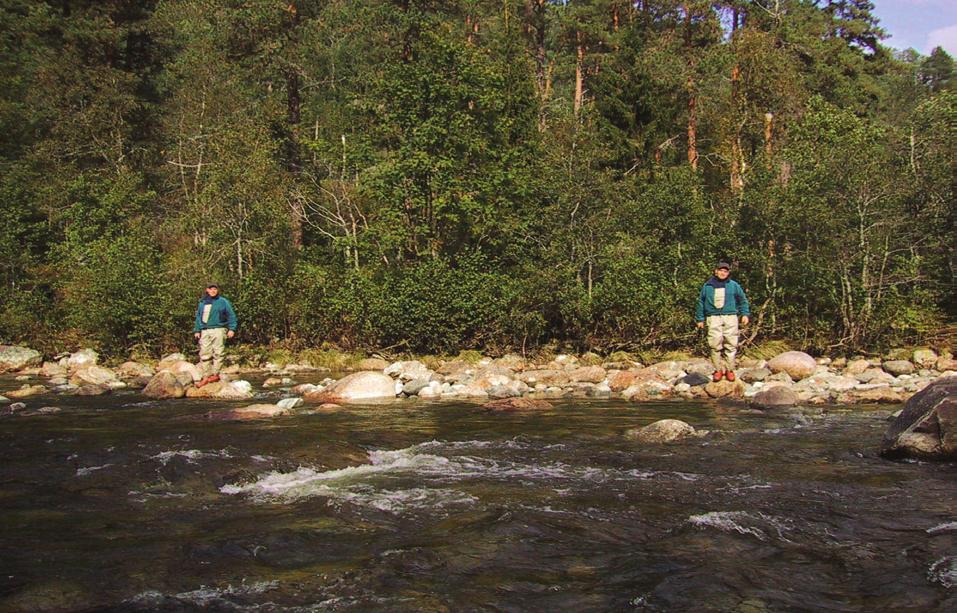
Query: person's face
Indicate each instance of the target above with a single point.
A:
(212, 291)
(722, 273)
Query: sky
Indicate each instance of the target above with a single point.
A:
(921, 24)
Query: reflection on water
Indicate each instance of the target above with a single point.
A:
(116, 504)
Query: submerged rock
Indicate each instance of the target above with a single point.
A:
(927, 427)
(26, 391)
(663, 431)
(517, 404)
(15, 358)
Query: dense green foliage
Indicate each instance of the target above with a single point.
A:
(437, 175)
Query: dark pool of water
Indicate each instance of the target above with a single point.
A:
(121, 504)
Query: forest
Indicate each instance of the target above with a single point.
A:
(439, 175)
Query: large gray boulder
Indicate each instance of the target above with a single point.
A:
(927, 427)
(15, 358)
(164, 385)
(898, 367)
(797, 364)
(357, 387)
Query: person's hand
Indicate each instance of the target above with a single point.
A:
(230, 334)
(745, 320)
(196, 335)
(699, 325)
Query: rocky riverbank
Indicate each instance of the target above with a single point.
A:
(789, 378)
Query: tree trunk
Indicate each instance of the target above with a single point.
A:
(692, 124)
(768, 134)
(579, 73)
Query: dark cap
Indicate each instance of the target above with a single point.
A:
(212, 284)
(723, 265)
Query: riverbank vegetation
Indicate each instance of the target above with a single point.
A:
(433, 176)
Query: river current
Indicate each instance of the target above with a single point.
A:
(117, 503)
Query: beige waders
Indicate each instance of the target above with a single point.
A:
(723, 340)
(212, 343)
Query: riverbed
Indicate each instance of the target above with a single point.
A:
(118, 503)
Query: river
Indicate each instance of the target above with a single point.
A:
(117, 503)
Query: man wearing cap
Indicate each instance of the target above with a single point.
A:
(215, 322)
(720, 303)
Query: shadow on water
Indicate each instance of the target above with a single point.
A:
(120, 504)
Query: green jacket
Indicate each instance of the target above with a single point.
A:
(220, 314)
(717, 292)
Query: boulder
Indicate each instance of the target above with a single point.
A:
(27, 391)
(548, 376)
(164, 385)
(432, 390)
(52, 369)
(647, 389)
(669, 370)
(80, 359)
(15, 358)
(93, 375)
(289, 403)
(775, 397)
(414, 386)
(588, 374)
(898, 367)
(725, 389)
(875, 376)
(93, 390)
(927, 427)
(272, 382)
(856, 366)
(876, 394)
(945, 363)
(258, 411)
(186, 372)
(924, 357)
(168, 360)
(407, 371)
(132, 370)
(222, 390)
(797, 364)
(626, 378)
(517, 404)
(663, 431)
(359, 386)
(694, 379)
(753, 375)
(510, 361)
(372, 364)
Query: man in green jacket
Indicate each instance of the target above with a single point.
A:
(720, 303)
(215, 322)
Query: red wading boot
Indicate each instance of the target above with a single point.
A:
(717, 376)
(729, 375)
(208, 380)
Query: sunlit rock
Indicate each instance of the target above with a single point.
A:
(15, 358)
(796, 364)
(927, 427)
(663, 431)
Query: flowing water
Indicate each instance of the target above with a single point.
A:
(121, 504)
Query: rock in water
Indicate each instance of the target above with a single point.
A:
(359, 386)
(663, 431)
(222, 390)
(15, 358)
(26, 391)
(164, 385)
(927, 427)
(797, 364)
(517, 404)
(775, 397)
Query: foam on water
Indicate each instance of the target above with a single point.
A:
(206, 596)
(741, 522)
(944, 571)
(191, 455)
(80, 472)
(950, 526)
